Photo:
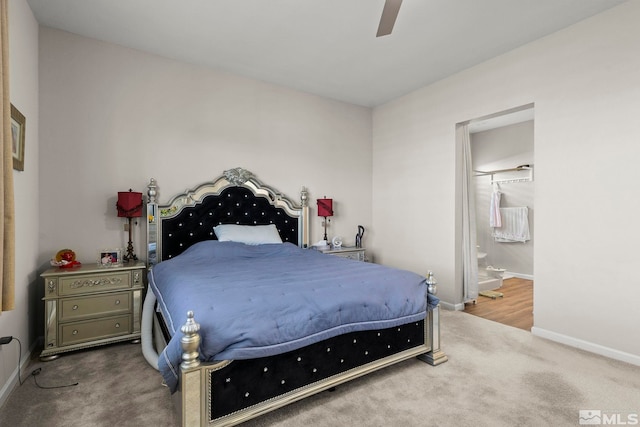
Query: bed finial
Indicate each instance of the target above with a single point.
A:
(304, 197)
(237, 176)
(190, 343)
(431, 283)
(151, 191)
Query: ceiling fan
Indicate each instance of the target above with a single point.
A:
(388, 18)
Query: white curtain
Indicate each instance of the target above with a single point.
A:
(469, 248)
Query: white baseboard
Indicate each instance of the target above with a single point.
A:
(518, 275)
(452, 307)
(587, 346)
(15, 376)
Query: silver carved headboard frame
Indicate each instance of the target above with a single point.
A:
(236, 197)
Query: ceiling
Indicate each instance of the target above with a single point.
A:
(324, 47)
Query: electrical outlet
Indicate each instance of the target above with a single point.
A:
(5, 340)
(126, 226)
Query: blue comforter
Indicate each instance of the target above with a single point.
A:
(256, 301)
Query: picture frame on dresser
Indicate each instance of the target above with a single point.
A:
(110, 258)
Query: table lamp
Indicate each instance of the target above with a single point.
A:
(129, 206)
(325, 209)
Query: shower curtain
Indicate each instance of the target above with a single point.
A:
(469, 248)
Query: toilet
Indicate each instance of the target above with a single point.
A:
(489, 277)
(498, 273)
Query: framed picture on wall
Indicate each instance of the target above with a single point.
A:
(17, 138)
(110, 258)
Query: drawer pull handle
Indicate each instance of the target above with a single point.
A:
(75, 332)
(117, 325)
(117, 302)
(75, 307)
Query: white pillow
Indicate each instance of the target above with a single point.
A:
(247, 234)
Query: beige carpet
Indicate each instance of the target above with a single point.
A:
(496, 376)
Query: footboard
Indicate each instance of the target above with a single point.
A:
(230, 392)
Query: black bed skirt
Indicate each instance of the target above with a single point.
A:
(244, 383)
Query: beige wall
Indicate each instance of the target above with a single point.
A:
(113, 117)
(585, 86)
(21, 322)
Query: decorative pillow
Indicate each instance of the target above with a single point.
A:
(247, 234)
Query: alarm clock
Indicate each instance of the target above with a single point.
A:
(336, 242)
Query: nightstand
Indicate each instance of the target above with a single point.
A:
(90, 306)
(347, 252)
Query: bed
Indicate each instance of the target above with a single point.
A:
(277, 321)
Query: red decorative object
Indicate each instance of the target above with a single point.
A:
(325, 209)
(65, 258)
(129, 205)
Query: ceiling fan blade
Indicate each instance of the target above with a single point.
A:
(388, 18)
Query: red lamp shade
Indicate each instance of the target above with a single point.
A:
(325, 207)
(129, 204)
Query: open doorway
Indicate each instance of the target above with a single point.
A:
(502, 151)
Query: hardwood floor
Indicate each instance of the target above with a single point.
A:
(515, 308)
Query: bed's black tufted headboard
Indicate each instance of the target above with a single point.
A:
(234, 198)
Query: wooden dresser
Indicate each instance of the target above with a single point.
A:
(91, 305)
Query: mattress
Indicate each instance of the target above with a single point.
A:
(263, 300)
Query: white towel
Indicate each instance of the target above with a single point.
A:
(495, 219)
(515, 225)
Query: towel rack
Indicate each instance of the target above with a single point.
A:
(521, 168)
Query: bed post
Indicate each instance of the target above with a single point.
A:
(436, 356)
(303, 239)
(191, 377)
(152, 223)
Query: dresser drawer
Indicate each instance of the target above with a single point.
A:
(90, 330)
(94, 283)
(95, 306)
(358, 255)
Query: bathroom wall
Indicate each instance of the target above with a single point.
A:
(503, 148)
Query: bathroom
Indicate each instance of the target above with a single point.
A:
(503, 164)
